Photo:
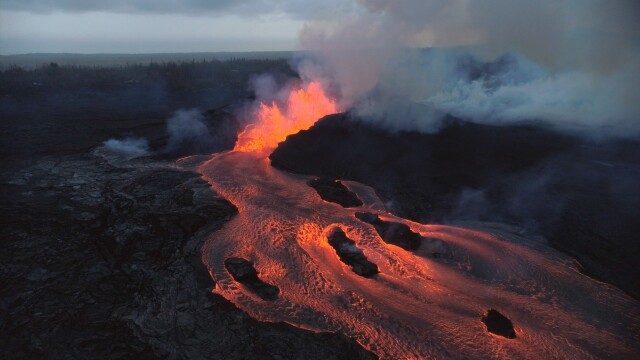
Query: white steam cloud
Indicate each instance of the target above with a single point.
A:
(127, 147)
(572, 63)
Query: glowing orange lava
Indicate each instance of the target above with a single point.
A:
(303, 108)
(419, 306)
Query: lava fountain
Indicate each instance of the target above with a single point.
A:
(304, 106)
(418, 305)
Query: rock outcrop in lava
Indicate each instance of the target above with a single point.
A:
(335, 191)
(392, 232)
(498, 324)
(350, 254)
(243, 272)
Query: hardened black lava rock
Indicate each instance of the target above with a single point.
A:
(102, 259)
(498, 324)
(392, 232)
(243, 272)
(351, 255)
(335, 191)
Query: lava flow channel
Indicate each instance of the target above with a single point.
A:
(417, 306)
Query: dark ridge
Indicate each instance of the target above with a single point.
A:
(350, 254)
(422, 173)
(243, 272)
(334, 191)
(579, 193)
(498, 324)
(392, 232)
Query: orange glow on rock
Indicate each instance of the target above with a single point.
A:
(303, 108)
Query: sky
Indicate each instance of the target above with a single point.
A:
(144, 26)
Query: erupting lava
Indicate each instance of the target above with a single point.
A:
(417, 304)
(303, 108)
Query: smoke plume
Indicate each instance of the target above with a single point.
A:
(200, 132)
(186, 129)
(572, 64)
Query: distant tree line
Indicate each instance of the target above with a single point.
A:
(178, 77)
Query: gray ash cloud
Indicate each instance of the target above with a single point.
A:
(572, 64)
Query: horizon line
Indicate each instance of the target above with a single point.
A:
(151, 53)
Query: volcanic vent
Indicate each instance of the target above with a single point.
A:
(304, 106)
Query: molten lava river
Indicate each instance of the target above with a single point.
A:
(418, 305)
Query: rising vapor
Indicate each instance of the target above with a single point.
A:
(573, 64)
(127, 147)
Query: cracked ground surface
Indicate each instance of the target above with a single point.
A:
(101, 258)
